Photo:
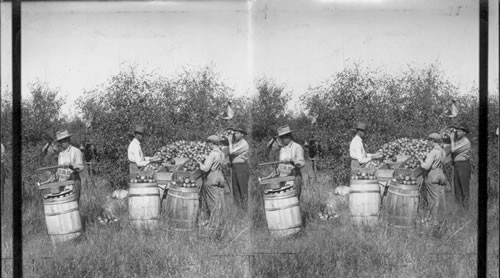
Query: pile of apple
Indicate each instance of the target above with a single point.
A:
(406, 146)
(190, 166)
(405, 179)
(364, 176)
(183, 182)
(373, 164)
(153, 166)
(143, 179)
(411, 163)
(186, 149)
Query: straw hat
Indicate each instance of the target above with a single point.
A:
(139, 129)
(241, 128)
(464, 127)
(62, 134)
(283, 130)
(361, 126)
(213, 138)
(435, 137)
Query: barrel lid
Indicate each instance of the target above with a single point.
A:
(278, 190)
(58, 195)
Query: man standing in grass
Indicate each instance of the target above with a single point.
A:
(212, 190)
(292, 154)
(460, 153)
(136, 158)
(357, 148)
(434, 179)
(70, 157)
(238, 157)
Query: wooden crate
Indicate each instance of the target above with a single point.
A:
(409, 172)
(164, 177)
(275, 183)
(365, 170)
(386, 170)
(194, 175)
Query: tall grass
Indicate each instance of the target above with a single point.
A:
(322, 249)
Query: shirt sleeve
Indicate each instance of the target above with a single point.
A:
(427, 164)
(78, 161)
(298, 159)
(238, 148)
(356, 151)
(135, 157)
(207, 164)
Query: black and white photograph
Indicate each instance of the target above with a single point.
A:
(249, 138)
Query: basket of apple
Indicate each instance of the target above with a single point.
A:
(184, 182)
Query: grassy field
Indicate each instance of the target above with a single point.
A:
(323, 249)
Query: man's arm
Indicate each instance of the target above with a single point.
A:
(298, 159)
(78, 161)
(135, 157)
(237, 149)
(427, 164)
(205, 166)
(355, 151)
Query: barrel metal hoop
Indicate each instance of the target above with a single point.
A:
(142, 219)
(142, 195)
(363, 216)
(280, 197)
(285, 207)
(365, 191)
(294, 227)
(399, 194)
(181, 197)
(182, 220)
(61, 212)
(70, 232)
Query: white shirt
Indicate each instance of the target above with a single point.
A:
(135, 154)
(71, 156)
(293, 152)
(453, 111)
(357, 150)
(230, 113)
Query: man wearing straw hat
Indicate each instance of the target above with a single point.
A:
(291, 153)
(434, 180)
(238, 157)
(136, 157)
(212, 190)
(460, 153)
(70, 157)
(357, 148)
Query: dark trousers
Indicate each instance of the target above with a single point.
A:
(461, 183)
(77, 186)
(298, 184)
(241, 174)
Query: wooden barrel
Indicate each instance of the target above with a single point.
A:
(402, 204)
(144, 204)
(182, 207)
(283, 213)
(364, 201)
(62, 217)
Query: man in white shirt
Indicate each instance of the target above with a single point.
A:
(357, 148)
(136, 158)
(72, 158)
(291, 153)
